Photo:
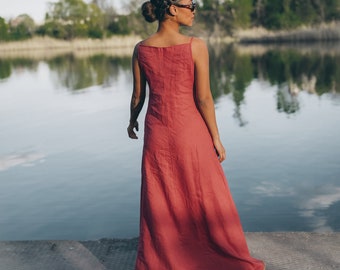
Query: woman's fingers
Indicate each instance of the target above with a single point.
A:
(131, 132)
(220, 151)
(132, 135)
(222, 156)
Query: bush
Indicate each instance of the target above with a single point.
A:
(119, 26)
(95, 32)
(20, 32)
(52, 29)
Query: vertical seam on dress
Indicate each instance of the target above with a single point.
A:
(191, 56)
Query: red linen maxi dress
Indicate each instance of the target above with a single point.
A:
(188, 218)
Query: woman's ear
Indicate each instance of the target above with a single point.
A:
(172, 10)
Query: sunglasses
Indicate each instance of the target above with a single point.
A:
(191, 6)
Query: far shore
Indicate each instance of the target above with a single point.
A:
(46, 47)
(319, 33)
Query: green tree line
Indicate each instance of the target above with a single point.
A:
(68, 19)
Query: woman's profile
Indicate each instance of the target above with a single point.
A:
(188, 219)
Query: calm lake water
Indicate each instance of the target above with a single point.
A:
(69, 171)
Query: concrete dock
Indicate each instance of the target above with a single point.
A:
(293, 251)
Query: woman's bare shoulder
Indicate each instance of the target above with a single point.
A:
(199, 48)
(135, 49)
(198, 43)
(150, 40)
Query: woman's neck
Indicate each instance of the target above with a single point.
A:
(168, 26)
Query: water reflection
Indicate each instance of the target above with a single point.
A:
(23, 159)
(70, 72)
(232, 70)
(287, 99)
(63, 142)
(292, 70)
(313, 204)
(75, 74)
(314, 208)
(8, 66)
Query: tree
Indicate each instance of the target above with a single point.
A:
(69, 11)
(305, 11)
(216, 17)
(96, 22)
(53, 29)
(119, 25)
(78, 18)
(22, 27)
(279, 14)
(3, 29)
(242, 13)
(258, 12)
(332, 10)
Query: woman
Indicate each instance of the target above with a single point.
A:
(188, 218)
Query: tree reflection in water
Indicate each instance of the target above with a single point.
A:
(79, 73)
(232, 70)
(292, 70)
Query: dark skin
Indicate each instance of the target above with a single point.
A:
(167, 35)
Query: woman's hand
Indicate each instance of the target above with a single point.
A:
(220, 151)
(131, 131)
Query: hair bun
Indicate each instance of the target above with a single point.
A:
(156, 9)
(160, 4)
(148, 11)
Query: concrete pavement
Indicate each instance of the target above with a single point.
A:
(286, 250)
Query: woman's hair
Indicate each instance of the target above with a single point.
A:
(156, 9)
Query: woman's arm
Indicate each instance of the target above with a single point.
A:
(138, 95)
(205, 102)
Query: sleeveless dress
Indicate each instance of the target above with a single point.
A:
(188, 218)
